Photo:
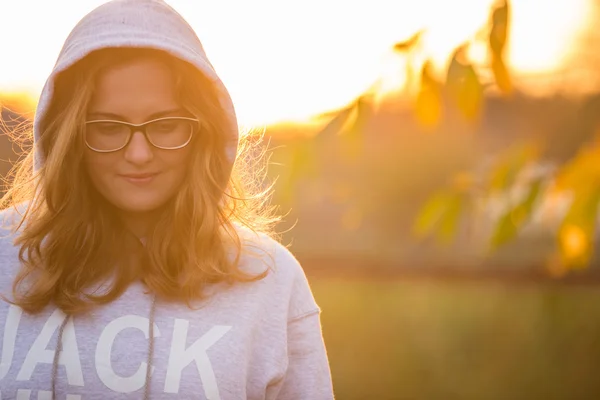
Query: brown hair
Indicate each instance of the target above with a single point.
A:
(71, 242)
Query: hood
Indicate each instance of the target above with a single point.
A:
(140, 24)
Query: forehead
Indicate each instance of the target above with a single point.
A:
(134, 89)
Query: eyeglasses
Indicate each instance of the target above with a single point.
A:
(170, 133)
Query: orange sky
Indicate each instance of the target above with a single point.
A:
(284, 59)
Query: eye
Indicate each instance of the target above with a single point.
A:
(108, 128)
(165, 126)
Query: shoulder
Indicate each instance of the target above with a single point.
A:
(286, 274)
(10, 218)
(12, 215)
(259, 249)
(9, 252)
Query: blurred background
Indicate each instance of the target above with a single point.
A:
(438, 165)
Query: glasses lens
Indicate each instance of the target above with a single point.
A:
(170, 133)
(106, 136)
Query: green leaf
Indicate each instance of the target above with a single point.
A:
(505, 172)
(440, 216)
(535, 190)
(508, 226)
(431, 213)
(449, 223)
(504, 231)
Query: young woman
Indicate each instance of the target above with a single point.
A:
(134, 263)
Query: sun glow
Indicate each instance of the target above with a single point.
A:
(288, 60)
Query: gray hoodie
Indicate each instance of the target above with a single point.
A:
(260, 340)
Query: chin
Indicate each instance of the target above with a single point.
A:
(140, 206)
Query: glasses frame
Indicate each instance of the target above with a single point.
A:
(142, 128)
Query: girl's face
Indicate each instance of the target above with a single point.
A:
(138, 178)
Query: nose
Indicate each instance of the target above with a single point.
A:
(139, 151)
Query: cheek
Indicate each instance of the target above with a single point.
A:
(98, 165)
(178, 162)
(176, 158)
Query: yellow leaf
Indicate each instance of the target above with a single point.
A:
(338, 123)
(410, 44)
(428, 110)
(581, 172)
(497, 41)
(503, 80)
(353, 133)
(470, 98)
(575, 245)
(463, 84)
(499, 27)
(577, 232)
(428, 107)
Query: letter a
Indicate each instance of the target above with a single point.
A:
(8, 342)
(69, 356)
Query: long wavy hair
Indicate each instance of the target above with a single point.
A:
(71, 241)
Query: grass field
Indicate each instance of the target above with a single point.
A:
(425, 339)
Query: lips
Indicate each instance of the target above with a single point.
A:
(139, 178)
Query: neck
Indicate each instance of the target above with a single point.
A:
(140, 224)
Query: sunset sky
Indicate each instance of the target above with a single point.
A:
(284, 59)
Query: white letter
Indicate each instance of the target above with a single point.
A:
(8, 342)
(104, 349)
(69, 356)
(179, 358)
(44, 395)
(23, 394)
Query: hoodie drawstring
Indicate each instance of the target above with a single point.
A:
(150, 349)
(58, 350)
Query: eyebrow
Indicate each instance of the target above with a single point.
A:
(159, 114)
